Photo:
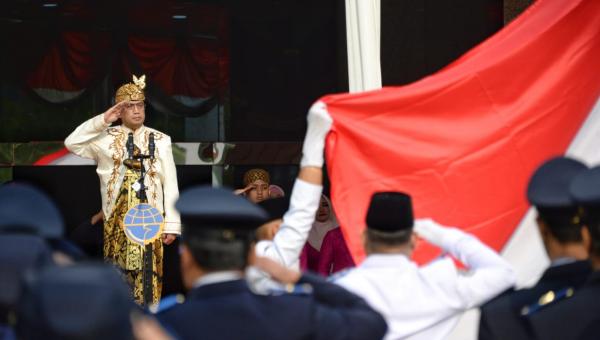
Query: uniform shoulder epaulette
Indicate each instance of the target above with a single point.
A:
(547, 299)
(293, 289)
(339, 275)
(167, 303)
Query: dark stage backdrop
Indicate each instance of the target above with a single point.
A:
(419, 37)
(76, 191)
(215, 70)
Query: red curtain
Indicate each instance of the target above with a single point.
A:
(73, 61)
(187, 67)
(464, 141)
(186, 64)
(177, 58)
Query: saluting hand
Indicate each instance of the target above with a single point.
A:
(436, 234)
(244, 190)
(114, 112)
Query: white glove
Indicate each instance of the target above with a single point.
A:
(319, 124)
(436, 234)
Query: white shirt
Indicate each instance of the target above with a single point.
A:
(426, 302)
(107, 146)
(286, 246)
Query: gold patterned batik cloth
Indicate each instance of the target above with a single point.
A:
(126, 255)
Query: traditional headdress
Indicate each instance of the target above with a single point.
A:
(132, 91)
(254, 174)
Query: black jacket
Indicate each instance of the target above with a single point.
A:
(502, 318)
(229, 310)
(576, 317)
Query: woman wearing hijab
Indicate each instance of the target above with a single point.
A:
(325, 251)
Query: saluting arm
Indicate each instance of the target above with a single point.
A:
(81, 141)
(489, 274)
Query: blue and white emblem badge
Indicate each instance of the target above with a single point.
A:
(143, 224)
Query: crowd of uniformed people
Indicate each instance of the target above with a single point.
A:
(241, 287)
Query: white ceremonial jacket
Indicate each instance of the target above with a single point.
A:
(107, 146)
(286, 246)
(426, 302)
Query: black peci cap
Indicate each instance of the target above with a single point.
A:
(390, 212)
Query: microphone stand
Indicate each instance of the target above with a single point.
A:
(147, 273)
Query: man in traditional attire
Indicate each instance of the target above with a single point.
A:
(119, 175)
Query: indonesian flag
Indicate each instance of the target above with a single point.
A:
(465, 141)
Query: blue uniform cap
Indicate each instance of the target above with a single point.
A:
(26, 209)
(81, 301)
(390, 212)
(585, 187)
(549, 185)
(208, 207)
